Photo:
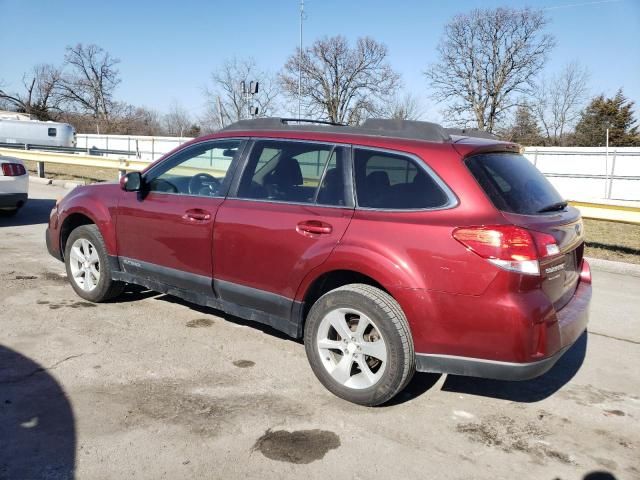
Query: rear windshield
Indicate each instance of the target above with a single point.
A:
(512, 183)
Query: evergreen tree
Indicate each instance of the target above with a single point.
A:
(616, 114)
(525, 129)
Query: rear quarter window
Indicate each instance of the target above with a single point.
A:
(386, 180)
(513, 183)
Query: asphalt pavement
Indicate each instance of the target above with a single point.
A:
(151, 387)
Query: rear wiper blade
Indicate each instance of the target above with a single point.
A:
(554, 207)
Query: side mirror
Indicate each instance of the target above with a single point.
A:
(131, 182)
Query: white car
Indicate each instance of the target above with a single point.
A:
(14, 185)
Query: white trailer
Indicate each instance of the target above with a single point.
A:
(35, 132)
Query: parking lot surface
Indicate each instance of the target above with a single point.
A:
(151, 387)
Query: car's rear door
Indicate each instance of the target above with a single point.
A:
(164, 232)
(290, 208)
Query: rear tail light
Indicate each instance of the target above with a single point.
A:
(508, 246)
(13, 169)
(585, 271)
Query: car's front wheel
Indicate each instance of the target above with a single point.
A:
(359, 345)
(87, 265)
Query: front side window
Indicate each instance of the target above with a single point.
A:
(53, 132)
(298, 172)
(199, 170)
(394, 181)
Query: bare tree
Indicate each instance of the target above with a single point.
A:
(124, 119)
(487, 58)
(93, 78)
(177, 121)
(402, 107)
(41, 97)
(227, 103)
(341, 83)
(559, 101)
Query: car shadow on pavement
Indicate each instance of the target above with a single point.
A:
(134, 293)
(419, 384)
(599, 475)
(36, 211)
(37, 427)
(525, 391)
(229, 318)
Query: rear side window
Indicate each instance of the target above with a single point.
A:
(53, 132)
(297, 172)
(512, 183)
(394, 181)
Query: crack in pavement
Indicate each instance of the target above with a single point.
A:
(635, 342)
(40, 370)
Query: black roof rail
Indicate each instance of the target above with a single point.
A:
(378, 127)
(415, 129)
(275, 122)
(310, 120)
(471, 132)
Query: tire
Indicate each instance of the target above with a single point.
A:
(90, 246)
(346, 370)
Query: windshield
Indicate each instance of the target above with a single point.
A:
(514, 185)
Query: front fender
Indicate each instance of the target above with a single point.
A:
(97, 204)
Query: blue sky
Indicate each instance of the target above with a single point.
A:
(168, 49)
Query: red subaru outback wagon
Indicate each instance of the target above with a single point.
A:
(391, 247)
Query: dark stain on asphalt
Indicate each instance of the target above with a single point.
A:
(54, 277)
(201, 412)
(25, 277)
(199, 323)
(617, 413)
(244, 363)
(300, 447)
(55, 306)
(508, 435)
(42, 302)
(82, 305)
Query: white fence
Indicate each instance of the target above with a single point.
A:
(578, 173)
(149, 148)
(585, 173)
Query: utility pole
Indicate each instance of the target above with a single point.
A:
(300, 62)
(606, 164)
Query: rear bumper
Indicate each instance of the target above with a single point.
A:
(562, 331)
(476, 367)
(12, 200)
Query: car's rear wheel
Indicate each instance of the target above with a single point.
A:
(87, 265)
(359, 345)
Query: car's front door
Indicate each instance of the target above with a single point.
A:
(164, 232)
(288, 212)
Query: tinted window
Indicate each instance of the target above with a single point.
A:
(53, 132)
(294, 172)
(512, 183)
(387, 180)
(199, 170)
